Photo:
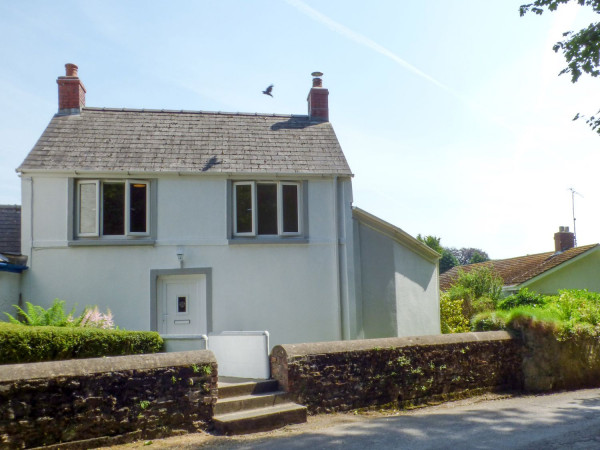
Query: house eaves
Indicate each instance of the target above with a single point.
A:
(395, 233)
(180, 173)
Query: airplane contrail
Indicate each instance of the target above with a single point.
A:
(369, 43)
(363, 40)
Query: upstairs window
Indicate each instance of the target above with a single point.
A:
(112, 208)
(266, 208)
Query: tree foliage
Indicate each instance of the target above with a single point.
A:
(448, 260)
(452, 257)
(469, 255)
(581, 49)
(432, 242)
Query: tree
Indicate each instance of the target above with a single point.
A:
(432, 242)
(581, 49)
(448, 260)
(469, 255)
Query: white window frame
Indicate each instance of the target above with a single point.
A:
(99, 233)
(279, 184)
(253, 212)
(96, 231)
(280, 208)
(128, 207)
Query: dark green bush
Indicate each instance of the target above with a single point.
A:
(524, 297)
(20, 344)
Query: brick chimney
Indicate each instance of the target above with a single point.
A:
(318, 103)
(71, 91)
(563, 240)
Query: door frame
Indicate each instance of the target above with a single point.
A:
(155, 273)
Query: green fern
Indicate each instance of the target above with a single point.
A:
(38, 316)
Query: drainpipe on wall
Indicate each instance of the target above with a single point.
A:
(344, 325)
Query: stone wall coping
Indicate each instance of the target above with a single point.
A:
(81, 367)
(318, 348)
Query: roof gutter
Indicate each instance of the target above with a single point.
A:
(105, 173)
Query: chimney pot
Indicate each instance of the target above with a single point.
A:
(71, 70)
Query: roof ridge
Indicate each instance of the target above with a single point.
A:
(185, 111)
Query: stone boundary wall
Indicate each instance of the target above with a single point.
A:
(84, 401)
(552, 365)
(345, 375)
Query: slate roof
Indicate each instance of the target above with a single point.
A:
(518, 270)
(10, 229)
(117, 140)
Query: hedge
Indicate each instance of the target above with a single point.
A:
(21, 344)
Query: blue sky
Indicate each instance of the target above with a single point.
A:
(451, 114)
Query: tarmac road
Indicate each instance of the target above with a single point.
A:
(565, 420)
(555, 421)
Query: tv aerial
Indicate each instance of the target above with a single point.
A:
(573, 192)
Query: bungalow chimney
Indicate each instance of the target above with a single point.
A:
(318, 103)
(563, 240)
(71, 92)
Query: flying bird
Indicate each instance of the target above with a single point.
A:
(268, 91)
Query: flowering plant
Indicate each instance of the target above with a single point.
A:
(93, 318)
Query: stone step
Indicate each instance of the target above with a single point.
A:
(259, 419)
(245, 402)
(227, 390)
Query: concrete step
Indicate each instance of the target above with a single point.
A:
(245, 402)
(227, 390)
(259, 419)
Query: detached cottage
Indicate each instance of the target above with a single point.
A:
(195, 223)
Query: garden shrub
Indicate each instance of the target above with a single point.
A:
(20, 344)
(451, 315)
(570, 314)
(524, 297)
(479, 289)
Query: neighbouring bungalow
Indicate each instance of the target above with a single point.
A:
(567, 267)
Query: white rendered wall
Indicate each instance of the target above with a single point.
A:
(378, 284)
(10, 287)
(417, 293)
(287, 289)
(400, 295)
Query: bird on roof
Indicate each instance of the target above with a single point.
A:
(268, 90)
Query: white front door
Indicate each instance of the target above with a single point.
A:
(182, 304)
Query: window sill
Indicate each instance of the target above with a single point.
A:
(107, 242)
(268, 240)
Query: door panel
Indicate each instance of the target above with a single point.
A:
(182, 304)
